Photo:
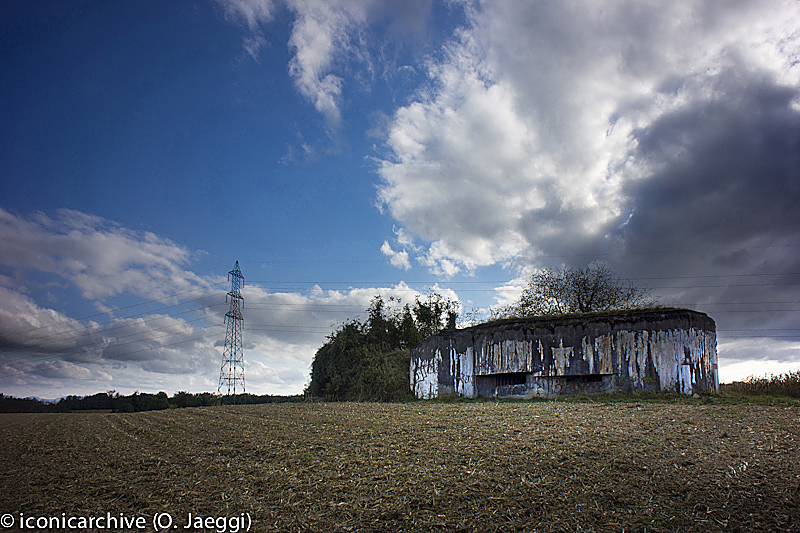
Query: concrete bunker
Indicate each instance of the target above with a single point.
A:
(624, 351)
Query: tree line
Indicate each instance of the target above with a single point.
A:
(138, 401)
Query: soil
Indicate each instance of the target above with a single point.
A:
(534, 467)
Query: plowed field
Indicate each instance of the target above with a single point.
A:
(534, 467)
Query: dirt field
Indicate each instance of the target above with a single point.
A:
(532, 467)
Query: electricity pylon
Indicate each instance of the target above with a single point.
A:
(231, 373)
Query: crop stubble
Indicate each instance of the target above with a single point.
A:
(418, 466)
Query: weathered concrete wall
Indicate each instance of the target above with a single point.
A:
(664, 349)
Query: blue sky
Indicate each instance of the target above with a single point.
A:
(346, 148)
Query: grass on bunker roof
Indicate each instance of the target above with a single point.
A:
(419, 466)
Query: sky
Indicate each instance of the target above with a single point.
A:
(343, 149)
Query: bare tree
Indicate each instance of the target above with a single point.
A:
(582, 290)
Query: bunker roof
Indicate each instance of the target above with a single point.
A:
(654, 314)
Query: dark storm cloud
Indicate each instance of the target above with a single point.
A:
(721, 205)
(727, 178)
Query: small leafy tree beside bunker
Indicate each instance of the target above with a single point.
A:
(578, 290)
(369, 361)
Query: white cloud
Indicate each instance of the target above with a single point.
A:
(547, 131)
(323, 31)
(325, 34)
(397, 259)
(527, 134)
(42, 344)
(307, 318)
(742, 358)
(177, 346)
(285, 329)
(252, 12)
(468, 171)
(101, 258)
(253, 45)
(329, 39)
(27, 324)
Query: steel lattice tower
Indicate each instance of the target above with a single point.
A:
(231, 373)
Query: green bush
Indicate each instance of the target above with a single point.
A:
(370, 361)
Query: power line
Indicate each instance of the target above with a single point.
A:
(496, 281)
(540, 256)
(72, 334)
(763, 336)
(718, 276)
(50, 358)
(78, 348)
(748, 303)
(64, 354)
(407, 290)
(75, 350)
(761, 329)
(124, 325)
(756, 311)
(312, 309)
(121, 308)
(684, 251)
(320, 285)
(730, 333)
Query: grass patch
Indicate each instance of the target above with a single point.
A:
(769, 385)
(724, 397)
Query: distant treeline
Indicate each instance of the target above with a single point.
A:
(138, 401)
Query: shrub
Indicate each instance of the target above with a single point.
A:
(775, 385)
(369, 361)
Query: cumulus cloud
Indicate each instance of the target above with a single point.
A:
(398, 259)
(40, 345)
(322, 32)
(663, 138)
(24, 322)
(307, 318)
(533, 136)
(723, 170)
(101, 260)
(99, 257)
(459, 157)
